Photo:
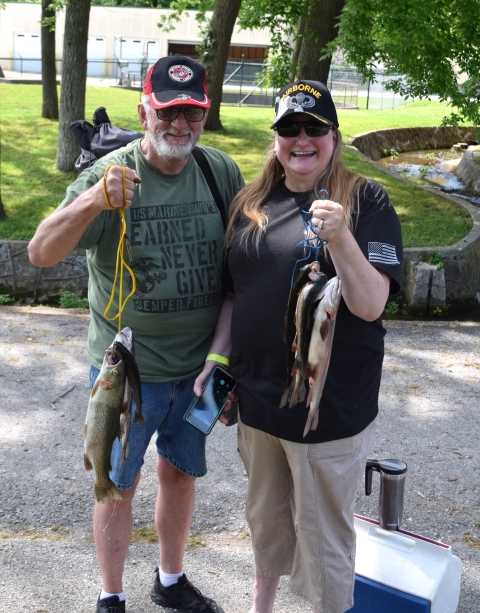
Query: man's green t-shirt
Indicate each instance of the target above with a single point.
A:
(176, 235)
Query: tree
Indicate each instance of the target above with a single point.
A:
(434, 44)
(214, 54)
(285, 20)
(300, 32)
(49, 71)
(321, 25)
(74, 75)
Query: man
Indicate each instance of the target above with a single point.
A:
(175, 231)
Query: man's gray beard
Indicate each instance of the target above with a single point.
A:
(168, 151)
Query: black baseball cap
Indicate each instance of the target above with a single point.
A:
(310, 97)
(176, 79)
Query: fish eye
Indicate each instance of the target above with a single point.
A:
(115, 372)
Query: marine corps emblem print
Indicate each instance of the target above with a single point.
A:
(180, 73)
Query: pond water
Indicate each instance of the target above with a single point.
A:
(435, 168)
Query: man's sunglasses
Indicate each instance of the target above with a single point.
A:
(291, 130)
(191, 113)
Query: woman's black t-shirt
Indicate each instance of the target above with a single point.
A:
(261, 284)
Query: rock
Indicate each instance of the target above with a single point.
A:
(469, 171)
(438, 296)
(425, 290)
(21, 279)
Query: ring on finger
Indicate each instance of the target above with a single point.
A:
(320, 224)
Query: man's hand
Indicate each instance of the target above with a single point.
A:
(114, 187)
(198, 389)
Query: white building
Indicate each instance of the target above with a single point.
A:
(118, 37)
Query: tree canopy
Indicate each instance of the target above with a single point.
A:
(435, 44)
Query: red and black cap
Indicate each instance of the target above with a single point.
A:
(310, 97)
(176, 79)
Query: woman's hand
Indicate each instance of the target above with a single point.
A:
(329, 219)
(364, 288)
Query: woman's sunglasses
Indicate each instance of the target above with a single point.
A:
(291, 130)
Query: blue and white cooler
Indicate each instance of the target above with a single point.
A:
(397, 571)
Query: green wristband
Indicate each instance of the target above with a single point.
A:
(218, 358)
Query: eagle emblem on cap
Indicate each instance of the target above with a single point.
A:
(180, 73)
(300, 101)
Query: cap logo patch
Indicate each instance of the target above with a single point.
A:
(183, 97)
(300, 101)
(180, 73)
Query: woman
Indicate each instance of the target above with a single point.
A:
(302, 489)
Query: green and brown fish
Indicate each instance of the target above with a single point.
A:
(109, 412)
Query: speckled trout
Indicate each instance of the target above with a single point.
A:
(320, 347)
(109, 412)
(294, 391)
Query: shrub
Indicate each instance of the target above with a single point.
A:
(72, 301)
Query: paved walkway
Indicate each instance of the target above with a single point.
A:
(35, 76)
(429, 418)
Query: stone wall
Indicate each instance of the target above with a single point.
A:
(372, 144)
(19, 278)
(469, 170)
(422, 290)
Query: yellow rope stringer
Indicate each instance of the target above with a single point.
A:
(120, 262)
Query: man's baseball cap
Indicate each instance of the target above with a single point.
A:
(310, 97)
(176, 79)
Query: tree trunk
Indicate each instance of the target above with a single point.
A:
(321, 28)
(3, 215)
(298, 46)
(215, 57)
(74, 75)
(49, 72)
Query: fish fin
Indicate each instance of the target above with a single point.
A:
(301, 394)
(309, 397)
(324, 329)
(312, 421)
(138, 417)
(94, 389)
(307, 371)
(298, 395)
(287, 392)
(124, 455)
(110, 492)
(85, 429)
(86, 461)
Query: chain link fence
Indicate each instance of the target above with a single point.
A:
(243, 82)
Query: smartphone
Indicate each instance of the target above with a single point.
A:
(204, 411)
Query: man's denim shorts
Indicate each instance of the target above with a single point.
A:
(163, 408)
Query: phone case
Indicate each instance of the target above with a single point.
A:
(187, 415)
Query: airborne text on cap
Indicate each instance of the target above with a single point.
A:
(302, 87)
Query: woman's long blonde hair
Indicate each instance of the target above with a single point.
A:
(342, 185)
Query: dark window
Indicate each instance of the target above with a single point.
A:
(250, 54)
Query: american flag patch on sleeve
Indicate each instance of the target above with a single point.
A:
(382, 253)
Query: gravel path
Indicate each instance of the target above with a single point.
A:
(429, 418)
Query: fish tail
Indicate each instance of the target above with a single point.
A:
(138, 417)
(301, 393)
(312, 421)
(109, 492)
(287, 392)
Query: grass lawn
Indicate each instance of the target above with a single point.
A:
(32, 187)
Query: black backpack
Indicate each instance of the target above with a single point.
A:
(102, 137)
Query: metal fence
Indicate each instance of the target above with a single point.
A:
(243, 82)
